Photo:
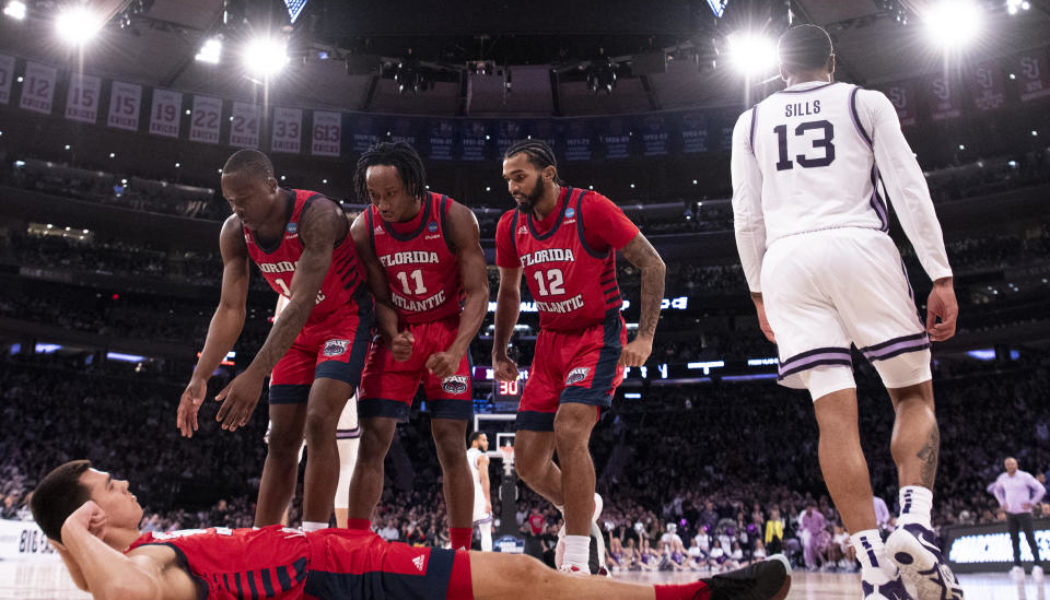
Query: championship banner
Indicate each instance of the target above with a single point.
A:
(83, 97)
(693, 129)
(720, 130)
(578, 141)
(403, 129)
(364, 132)
(165, 115)
(327, 134)
(655, 137)
(986, 85)
(1033, 75)
(204, 120)
(244, 125)
(615, 137)
(902, 96)
(124, 103)
(442, 139)
(7, 75)
(943, 97)
(38, 88)
(509, 131)
(287, 130)
(474, 140)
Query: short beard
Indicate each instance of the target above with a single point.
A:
(532, 198)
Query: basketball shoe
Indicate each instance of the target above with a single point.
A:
(893, 590)
(766, 580)
(596, 561)
(916, 552)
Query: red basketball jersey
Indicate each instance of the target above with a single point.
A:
(234, 564)
(342, 285)
(421, 268)
(573, 285)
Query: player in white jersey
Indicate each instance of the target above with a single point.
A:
(479, 472)
(811, 228)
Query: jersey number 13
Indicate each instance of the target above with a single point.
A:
(823, 142)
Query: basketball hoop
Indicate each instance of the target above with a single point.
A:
(508, 454)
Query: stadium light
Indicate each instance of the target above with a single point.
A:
(953, 23)
(211, 51)
(16, 10)
(752, 54)
(265, 56)
(1015, 6)
(78, 24)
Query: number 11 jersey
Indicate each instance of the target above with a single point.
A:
(422, 269)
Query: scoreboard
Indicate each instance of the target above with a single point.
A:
(507, 394)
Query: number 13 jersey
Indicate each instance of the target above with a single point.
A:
(568, 258)
(818, 168)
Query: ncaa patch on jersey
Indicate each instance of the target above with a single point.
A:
(335, 347)
(570, 213)
(454, 384)
(577, 375)
(292, 228)
(432, 227)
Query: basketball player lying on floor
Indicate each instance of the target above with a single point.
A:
(92, 520)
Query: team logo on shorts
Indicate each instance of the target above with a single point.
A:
(432, 227)
(292, 229)
(335, 347)
(454, 384)
(577, 375)
(570, 213)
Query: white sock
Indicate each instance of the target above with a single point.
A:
(876, 568)
(577, 551)
(314, 525)
(915, 506)
(486, 536)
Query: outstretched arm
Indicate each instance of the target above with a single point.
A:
(321, 227)
(642, 255)
(466, 239)
(508, 305)
(225, 326)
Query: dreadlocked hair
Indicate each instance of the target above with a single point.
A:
(395, 154)
(540, 155)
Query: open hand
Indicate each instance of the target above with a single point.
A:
(238, 400)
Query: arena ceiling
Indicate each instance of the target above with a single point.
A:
(496, 58)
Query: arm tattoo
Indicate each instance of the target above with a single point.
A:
(640, 253)
(928, 455)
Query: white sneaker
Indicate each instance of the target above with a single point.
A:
(597, 553)
(1037, 574)
(1017, 574)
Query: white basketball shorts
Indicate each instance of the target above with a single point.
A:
(828, 289)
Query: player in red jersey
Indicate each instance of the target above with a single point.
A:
(300, 242)
(565, 241)
(428, 246)
(92, 521)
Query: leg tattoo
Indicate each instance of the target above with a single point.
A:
(928, 455)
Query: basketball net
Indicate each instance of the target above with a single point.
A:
(507, 454)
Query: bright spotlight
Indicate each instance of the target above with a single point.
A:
(77, 24)
(953, 23)
(211, 51)
(265, 56)
(752, 54)
(15, 10)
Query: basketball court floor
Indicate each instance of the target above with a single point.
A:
(48, 581)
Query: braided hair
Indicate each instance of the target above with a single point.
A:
(539, 153)
(395, 154)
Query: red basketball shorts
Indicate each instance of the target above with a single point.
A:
(358, 564)
(572, 366)
(332, 347)
(388, 386)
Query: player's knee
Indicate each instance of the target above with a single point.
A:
(448, 439)
(284, 443)
(319, 428)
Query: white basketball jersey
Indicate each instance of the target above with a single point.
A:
(818, 168)
(479, 495)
